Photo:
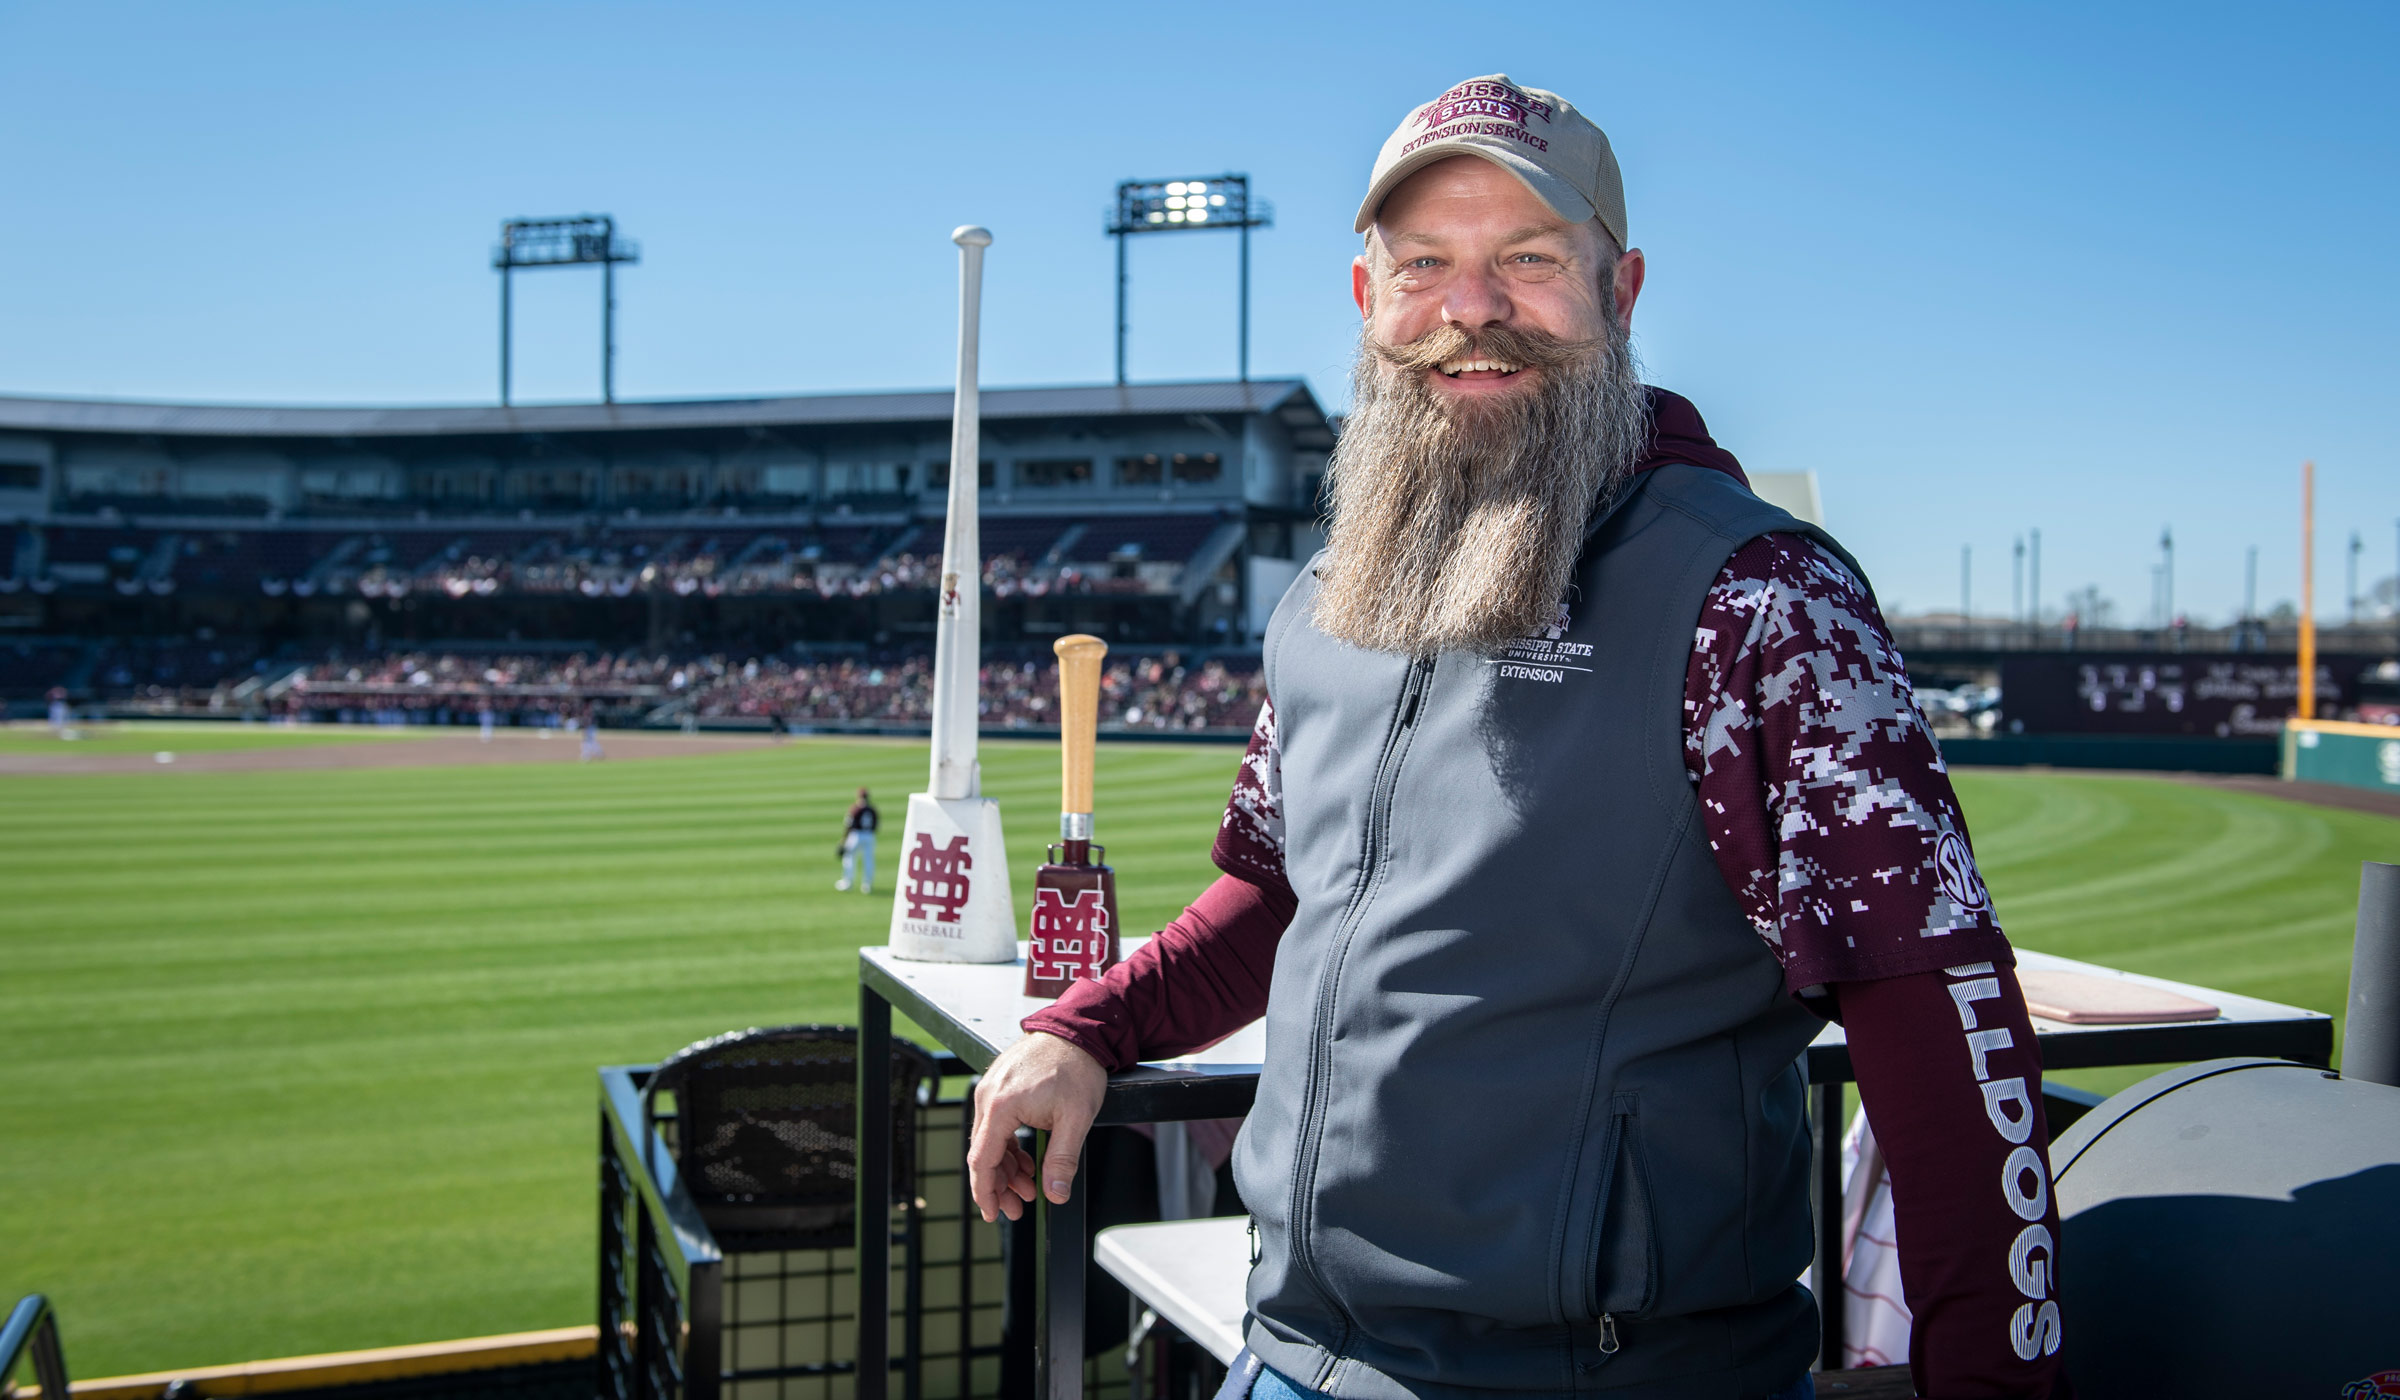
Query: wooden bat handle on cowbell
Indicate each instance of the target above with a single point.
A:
(1079, 659)
(1075, 894)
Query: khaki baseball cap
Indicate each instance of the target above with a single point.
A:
(1534, 135)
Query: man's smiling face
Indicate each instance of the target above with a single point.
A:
(1464, 245)
(1494, 407)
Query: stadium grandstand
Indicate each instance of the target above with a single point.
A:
(1159, 692)
(143, 545)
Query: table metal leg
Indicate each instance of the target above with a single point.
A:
(1137, 1331)
(1058, 1361)
(1019, 1316)
(1825, 1277)
(967, 1218)
(874, 1216)
(912, 1296)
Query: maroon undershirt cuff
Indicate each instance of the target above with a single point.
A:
(1949, 1102)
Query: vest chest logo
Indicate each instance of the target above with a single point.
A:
(1544, 656)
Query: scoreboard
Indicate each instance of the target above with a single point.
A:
(2221, 695)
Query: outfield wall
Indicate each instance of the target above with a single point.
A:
(2352, 755)
(2150, 753)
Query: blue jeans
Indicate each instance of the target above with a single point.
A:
(1273, 1385)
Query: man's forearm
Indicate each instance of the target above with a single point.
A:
(1201, 979)
(1952, 1083)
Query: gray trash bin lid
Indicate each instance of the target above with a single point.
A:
(2232, 1228)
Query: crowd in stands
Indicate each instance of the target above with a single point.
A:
(1156, 692)
(1023, 556)
(134, 668)
(1160, 692)
(776, 568)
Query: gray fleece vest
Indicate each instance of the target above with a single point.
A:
(1531, 1118)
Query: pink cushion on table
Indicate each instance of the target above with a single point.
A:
(2078, 998)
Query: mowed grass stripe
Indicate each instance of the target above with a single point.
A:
(2224, 889)
(303, 1060)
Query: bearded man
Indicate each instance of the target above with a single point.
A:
(1586, 784)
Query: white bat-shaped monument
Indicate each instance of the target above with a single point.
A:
(952, 901)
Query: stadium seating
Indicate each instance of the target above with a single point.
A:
(89, 556)
(1024, 538)
(1027, 554)
(1150, 538)
(146, 667)
(826, 562)
(1159, 692)
(242, 561)
(30, 667)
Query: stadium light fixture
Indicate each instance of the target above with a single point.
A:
(1190, 205)
(570, 242)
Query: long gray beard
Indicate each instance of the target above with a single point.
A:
(1456, 527)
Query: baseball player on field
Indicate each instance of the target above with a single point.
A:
(858, 845)
(1588, 784)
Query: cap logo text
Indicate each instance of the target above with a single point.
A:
(1507, 129)
(1483, 99)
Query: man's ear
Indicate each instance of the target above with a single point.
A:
(1358, 285)
(1630, 271)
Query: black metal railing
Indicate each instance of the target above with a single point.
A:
(32, 1330)
(682, 1318)
(661, 1273)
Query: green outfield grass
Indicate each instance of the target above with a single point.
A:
(145, 736)
(303, 1061)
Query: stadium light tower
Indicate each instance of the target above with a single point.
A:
(585, 238)
(1187, 206)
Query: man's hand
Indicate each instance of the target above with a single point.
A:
(1039, 1082)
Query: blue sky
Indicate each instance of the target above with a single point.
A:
(2092, 269)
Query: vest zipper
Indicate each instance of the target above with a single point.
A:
(1608, 1334)
(1320, 1040)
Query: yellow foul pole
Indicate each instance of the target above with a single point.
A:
(2308, 590)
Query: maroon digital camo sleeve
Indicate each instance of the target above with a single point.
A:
(1825, 797)
(1832, 818)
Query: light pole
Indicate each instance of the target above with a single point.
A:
(2033, 586)
(1966, 585)
(2016, 584)
(2357, 547)
(585, 238)
(2166, 574)
(1187, 206)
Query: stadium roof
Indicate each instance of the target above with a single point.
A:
(1290, 397)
